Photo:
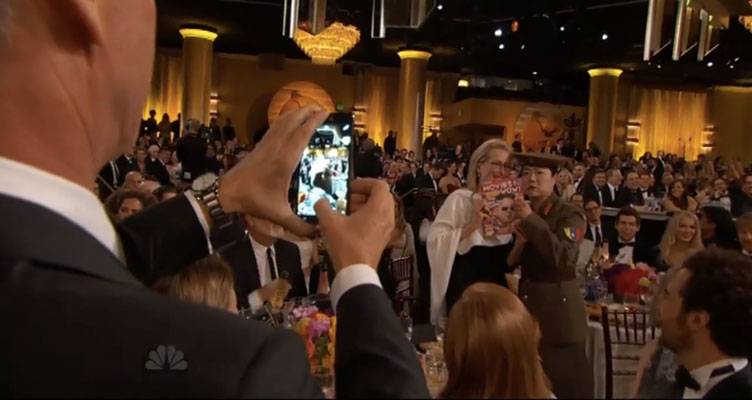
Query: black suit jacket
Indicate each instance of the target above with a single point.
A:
(591, 192)
(158, 170)
(191, 151)
(736, 386)
(626, 196)
(244, 265)
(78, 324)
(125, 166)
(426, 182)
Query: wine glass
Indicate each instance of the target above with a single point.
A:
(631, 300)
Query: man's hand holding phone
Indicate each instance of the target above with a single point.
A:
(361, 237)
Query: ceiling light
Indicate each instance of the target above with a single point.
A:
(498, 32)
(709, 64)
(501, 46)
(604, 36)
(535, 73)
(737, 59)
(522, 47)
(330, 44)
(562, 28)
(463, 83)
(440, 7)
(659, 66)
(731, 66)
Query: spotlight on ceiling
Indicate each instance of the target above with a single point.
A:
(463, 83)
(498, 32)
(604, 36)
(535, 73)
(709, 64)
(659, 66)
(562, 28)
(731, 66)
(522, 47)
(440, 7)
(737, 59)
(501, 46)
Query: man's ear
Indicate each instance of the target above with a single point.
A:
(80, 22)
(698, 320)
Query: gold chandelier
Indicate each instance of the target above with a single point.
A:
(330, 44)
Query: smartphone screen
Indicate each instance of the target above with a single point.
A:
(325, 169)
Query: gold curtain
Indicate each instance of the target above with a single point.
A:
(668, 120)
(380, 98)
(166, 91)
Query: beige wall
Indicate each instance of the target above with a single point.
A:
(245, 89)
(476, 119)
(731, 112)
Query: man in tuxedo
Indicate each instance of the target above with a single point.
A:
(625, 248)
(594, 229)
(741, 196)
(630, 194)
(191, 151)
(706, 311)
(661, 189)
(259, 260)
(157, 167)
(598, 189)
(126, 163)
(77, 322)
(578, 173)
(390, 144)
(613, 183)
(646, 185)
(431, 179)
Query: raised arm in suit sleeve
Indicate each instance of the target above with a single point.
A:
(562, 244)
(164, 238)
(374, 359)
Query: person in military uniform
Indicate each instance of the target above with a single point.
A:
(546, 248)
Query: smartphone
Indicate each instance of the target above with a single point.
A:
(326, 168)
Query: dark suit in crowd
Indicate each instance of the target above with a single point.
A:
(736, 386)
(191, 152)
(640, 252)
(601, 195)
(125, 165)
(628, 197)
(242, 259)
(108, 180)
(157, 169)
(426, 181)
(77, 322)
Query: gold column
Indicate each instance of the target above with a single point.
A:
(604, 83)
(411, 98)
(198, 54)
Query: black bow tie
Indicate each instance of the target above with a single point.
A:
(685, 380)
(622, 244)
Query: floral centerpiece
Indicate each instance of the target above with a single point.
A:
(318, 331)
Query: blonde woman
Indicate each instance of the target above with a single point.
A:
(458, 253)
(208, 281)
(564, 184)
(680, 240)
(491, 347)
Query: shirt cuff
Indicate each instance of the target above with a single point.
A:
(350, 277)
(254, 301)
(201, 218)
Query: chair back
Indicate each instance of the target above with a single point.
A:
(401, 270)
(627, 328)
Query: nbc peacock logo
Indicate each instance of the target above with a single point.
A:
(166, 358)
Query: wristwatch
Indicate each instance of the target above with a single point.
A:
(206, 190)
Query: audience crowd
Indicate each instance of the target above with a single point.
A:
(151, 287)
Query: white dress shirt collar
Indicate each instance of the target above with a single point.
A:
(70, 200)
(262, 263)
(703, 376)
(746, 253)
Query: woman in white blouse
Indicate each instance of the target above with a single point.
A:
(458, 252)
